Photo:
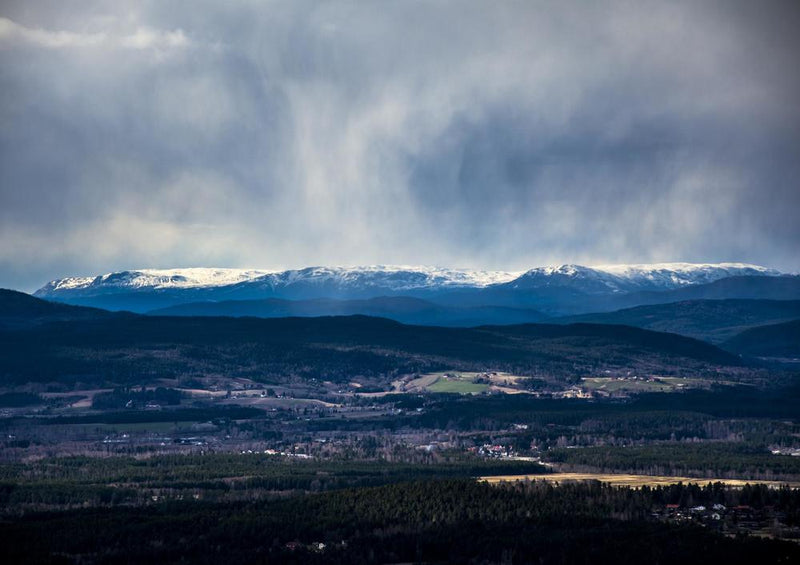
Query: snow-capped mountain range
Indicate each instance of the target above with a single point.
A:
(385, 277)
(155, 279)
(605, 278)
(547, 287)
(630, 278)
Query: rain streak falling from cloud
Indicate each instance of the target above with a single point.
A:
(469, 134)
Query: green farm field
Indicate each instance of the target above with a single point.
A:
(460, 383)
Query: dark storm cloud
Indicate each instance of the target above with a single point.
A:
(468, 134)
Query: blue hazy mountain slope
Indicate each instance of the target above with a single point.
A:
(20, 310)
(400, 308)
(776, 340)
(568, 289)
(710, 320)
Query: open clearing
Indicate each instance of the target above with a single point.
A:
(640, 384)
(634, 481)
(461, 384)
(467, 382)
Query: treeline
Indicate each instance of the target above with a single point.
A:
(124, 397)
(707, 459)
(84, 481)
(732, 401)
(649, 417)
(454, 521)
(150, 416)
(19, 399)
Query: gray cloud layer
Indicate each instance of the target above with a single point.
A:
(472, 134)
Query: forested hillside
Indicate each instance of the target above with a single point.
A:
(711, 320)
(776, 340)
(435, 521)
(138, 348)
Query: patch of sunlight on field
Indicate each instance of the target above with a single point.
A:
(653, 384)
(461, 383)
(457, 386)
(633, 481)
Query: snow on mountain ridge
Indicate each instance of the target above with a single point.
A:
(415, 275)
(685, 270)
(391, 277)
(633, 277)
(602, 278)
(674, 275)
(399, 277)
(194, 277)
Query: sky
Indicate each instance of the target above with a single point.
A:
(497, 135)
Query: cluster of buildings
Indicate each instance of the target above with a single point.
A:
(741, 519)
(494, 451)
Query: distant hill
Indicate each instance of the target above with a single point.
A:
(785, 287)
(400, 308)
(558, 290)
(776, 340)
(19, 310)
(710, 320)
(144, 348)
(609, 336)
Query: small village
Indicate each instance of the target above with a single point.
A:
(737, 520)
